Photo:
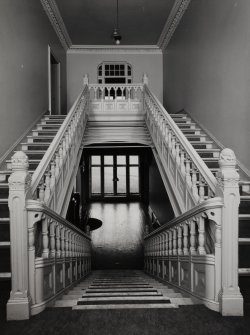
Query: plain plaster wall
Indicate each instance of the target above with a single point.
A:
(25, 33)
(207, 70)
(79, 64)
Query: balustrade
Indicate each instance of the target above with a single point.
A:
(193, 180)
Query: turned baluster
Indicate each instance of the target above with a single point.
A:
(73, 245)
(193, 237)
(180, 252)
(173, 146)
(66, 243)
(63, 242)
(45, 239)
(170, 244)
(41, 192)
(60, 156)
(166, 133)
(188, 175)
(174, 241)
(201, 189)
(70, 243)
(47, 187)
(52, 239)
(57, 166)
(64, 149)
(185, 239)
(58, 241)
(182, 163)
(170, 140)
(178, 158)
(67, 141)
(194, 184)
(52, 177)
(201, 239)
(166, 244)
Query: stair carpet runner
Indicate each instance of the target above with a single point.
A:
(209, 152)
(35, 146)
(121, 289)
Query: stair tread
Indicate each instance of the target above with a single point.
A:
(5, 274)
(244, 216)
(244, 240)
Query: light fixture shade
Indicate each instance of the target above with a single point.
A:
(117, 37)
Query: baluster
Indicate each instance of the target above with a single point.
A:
(60, 156)
(185, 239)
(201, 239)
(52, 239)
(182, 163)
(180, 252)
(166, 244)
(57, 164)
(70, 243)
(192, 238)
(52, 177)
(64, 149)
(178, 158)
(188, 175)
(174, 241)
(45, 238)
(173, 147)
(63, 242)
(194, 184)
(170, 244)
(170, 140)
(66, 243)
(41, 192)
(201, 190)
(47, 187)
(58, 241)
(67, 141)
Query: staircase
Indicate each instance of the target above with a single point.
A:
(34, 146)
(114, 289)
(209, 152)
(116, 132)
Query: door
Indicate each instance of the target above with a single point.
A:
(114, 176)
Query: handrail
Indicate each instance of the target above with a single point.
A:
(199, 163)
(39, 207)
(202, 207)
(43, 165)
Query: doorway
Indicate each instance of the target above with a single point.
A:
(54, 84)
(114, 176)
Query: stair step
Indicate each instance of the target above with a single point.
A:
(244, 271)
(4, 275)
(121, 290)
(244, 240)
(124, 306)
(126, 299)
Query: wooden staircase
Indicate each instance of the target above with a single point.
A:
(35, 146)
(116, 132)
(114, 289)
(209, 152)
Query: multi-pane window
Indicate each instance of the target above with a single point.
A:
(114, 73)
(114, 175)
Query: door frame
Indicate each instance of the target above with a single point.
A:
(58, 81)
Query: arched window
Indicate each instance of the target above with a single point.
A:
(114, 73)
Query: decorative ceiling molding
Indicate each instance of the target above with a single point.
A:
(111, 49)
(174, 18)
(56, 20)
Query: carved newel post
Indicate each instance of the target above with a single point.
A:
(18, 306)
(85, 80)
(231, 301)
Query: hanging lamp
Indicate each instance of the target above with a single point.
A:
(116, 33)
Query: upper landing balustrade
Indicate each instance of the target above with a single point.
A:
(116, 98)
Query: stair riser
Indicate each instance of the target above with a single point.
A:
(4, 232)
(244, 228)
(4, 210)
(5, 259)
(244, 207)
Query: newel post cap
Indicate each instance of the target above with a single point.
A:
(19, 161)
(86, 79)
(227, 159)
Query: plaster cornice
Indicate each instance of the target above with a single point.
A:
(56, 20)
(174, 18)
(111, 49)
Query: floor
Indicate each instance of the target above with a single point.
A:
(118, 244)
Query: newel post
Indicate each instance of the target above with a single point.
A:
(85, 79)
(18, 306)
(145, 79)
(231, 300)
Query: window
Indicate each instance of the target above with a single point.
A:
(114, 73)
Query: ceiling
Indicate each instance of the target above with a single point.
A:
(91, 22)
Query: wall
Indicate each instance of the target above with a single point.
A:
(158, 197)
(25, 32)
(78, 64)
(207, 70)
